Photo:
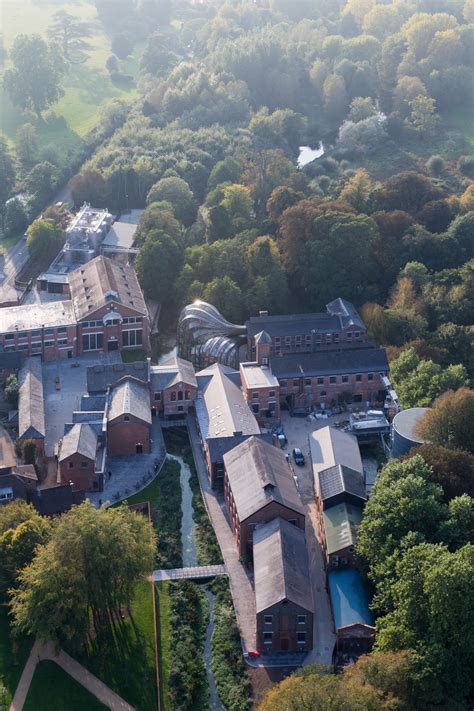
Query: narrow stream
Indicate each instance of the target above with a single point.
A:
(188, 540)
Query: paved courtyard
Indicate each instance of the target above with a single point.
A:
(60, 404)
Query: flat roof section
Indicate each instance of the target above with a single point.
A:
(34, 316)
(120, 236)
(258, 376)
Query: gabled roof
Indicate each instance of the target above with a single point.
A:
(281, 566)
(221, 407)
(101, 377)
(258, 474)
(101, 282)
(31, 424)
(340, 479)
(349, 598)
(347, 312)
(330, 446)
(177, 370)
(340, 525)
(263, 338)
(80, 439)
(130, 397)
(365, 359)
(218, 446)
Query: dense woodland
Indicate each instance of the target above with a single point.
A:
(229, 92)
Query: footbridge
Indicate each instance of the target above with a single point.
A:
(200, 572)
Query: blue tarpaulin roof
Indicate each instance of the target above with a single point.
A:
(349, 598)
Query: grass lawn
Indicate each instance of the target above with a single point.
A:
(123, 656)
(163, 602)
(86, 86)
(53, 688)
(13, 653)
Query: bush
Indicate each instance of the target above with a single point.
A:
(189, 616)
(228, 666)
(11, 390)
(466, 166)
(435, 165)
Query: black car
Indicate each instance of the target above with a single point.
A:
(298, 456)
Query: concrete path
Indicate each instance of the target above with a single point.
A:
(240, 582)
(84, 677)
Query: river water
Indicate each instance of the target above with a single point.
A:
(188, 541)
(308, 154)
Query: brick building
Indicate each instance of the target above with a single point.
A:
(128, 418)
(106, 312)
(222, 413)
(173, 387)
(31, 422)
(77, 457)
(340, 493)
(353, 619)
(284, 602)
(261, 390)
(258, 487)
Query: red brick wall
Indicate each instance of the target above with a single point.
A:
(284, 628)
(311, 394)
(82, 479)
(178, 407)
(123, 436)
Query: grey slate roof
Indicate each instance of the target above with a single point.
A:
(330, 446)
(130, 397)
(334, 362)
(339, 479)
(258, 474)
(80, 439)
(221, 407)
(263, 337)
(281, 566)
(101, 377)
(177, 370)
(347, 312)
(102, 281)
(218, 446)
(31, 423)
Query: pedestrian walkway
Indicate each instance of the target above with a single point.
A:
(194, 573)
(83, 676)
(240, 581)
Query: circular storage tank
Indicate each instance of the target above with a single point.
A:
(403, 430)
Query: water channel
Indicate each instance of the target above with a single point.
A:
(188, 541)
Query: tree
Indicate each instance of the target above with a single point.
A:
(41, 182)
(418, 382)
(33, 81)
(403, 500)
(357, 190)
(423, 116)
(18, 546)
(407, 191)
(7, 172)
(407, 89)
(335, 97)
(436, 165)
(382, 21)
(12, 389)
(158, 264)
(432, 603)
(450, 422)
(358, 9)
(228, 170)
(158, 216)
(453, 469)
(467, 199)
(365, 136)
(71, 33)
(88, 186)
(462, 229)
(86, 571)
(112, 64)
(15, 218)
(122, 46)
(282, 198)
(361, 108)
(44, 238)
(26, 144)
(177, 192)
(226, 296)
(238, 203)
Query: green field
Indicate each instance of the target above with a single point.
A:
(87, 86)
(53, 688)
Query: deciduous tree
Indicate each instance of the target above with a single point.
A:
(72, 33)
(44, 237)
(450, 422)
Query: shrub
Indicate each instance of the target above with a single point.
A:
(466, 166)
(435, 165)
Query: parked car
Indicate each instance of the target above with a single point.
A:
(298, 456)
(282, 441)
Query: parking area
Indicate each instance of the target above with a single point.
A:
(297, 431)
(64, 382)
